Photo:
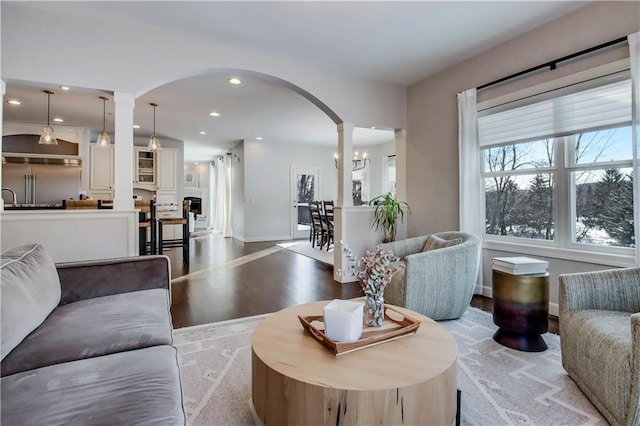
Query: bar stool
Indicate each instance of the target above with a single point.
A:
(146, 220)
(178, 242)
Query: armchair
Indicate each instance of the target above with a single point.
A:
(600, 339)
(437, 283)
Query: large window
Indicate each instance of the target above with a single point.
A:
(523, 197)
(558, 172)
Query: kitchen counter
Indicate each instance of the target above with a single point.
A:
(71, 235)
(8, 207)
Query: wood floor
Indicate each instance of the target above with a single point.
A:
(227, 279)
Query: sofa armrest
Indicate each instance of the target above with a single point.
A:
(404, 248)
(88, 279)
(611, 290)
(634, 406)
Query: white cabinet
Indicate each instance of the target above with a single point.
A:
(101, 172)
(166, 165)
(144, 168)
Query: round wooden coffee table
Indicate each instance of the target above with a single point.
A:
(298, 381)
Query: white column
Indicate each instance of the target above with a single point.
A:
(3, 90)
(345, 154)
(123, 152)
(400, 139)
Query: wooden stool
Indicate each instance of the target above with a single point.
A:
(146, 220)
(178, 242)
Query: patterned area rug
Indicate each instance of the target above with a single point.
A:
(304, 248)
(500, 386)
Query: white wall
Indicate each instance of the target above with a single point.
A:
(377, 154)
(238, 187)
(268, 185)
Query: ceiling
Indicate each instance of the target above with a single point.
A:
(394, 42)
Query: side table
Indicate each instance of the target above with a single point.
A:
(521, 310)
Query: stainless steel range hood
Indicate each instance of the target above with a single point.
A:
(52, 159)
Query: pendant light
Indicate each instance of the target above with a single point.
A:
(47, 137)
(103, 140)
(154, 142)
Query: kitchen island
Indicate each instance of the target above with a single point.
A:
(71, 235)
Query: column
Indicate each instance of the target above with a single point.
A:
(345, 154)
(123, 152)
(400, 139)
(3, 90)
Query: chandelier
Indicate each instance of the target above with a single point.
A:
(356, 163)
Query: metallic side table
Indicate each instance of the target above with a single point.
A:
(521, 310)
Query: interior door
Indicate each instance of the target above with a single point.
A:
(304, 189)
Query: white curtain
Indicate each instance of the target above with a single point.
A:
(634, 55)
(212, 196)
(222, 221)
(471, 190)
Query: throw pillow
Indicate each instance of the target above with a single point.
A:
(433, 243)
(30, 291)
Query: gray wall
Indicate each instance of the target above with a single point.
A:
(268, 184)
(238, 185)
(432, 133)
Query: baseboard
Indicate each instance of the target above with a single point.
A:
(261, 239)
(554, 308)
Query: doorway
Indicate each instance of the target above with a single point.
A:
(304, 189)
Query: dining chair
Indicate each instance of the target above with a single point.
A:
(328, 221)
(316, 234)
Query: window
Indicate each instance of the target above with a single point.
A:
(557, 171)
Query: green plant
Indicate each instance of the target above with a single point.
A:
(386, 214)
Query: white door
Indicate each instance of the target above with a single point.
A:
(304, 189)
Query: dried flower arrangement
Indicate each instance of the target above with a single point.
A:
(377, 269)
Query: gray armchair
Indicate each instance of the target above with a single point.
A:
(437, 283)
(600, 339)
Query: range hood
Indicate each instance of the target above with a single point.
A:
(52, 159)
(25, 149)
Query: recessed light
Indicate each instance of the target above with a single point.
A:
(136, 126)
(195, 164)
(65, 88)
(202, 133)
(373, 127)
(235, 80)
(214, 114)
(58, 120)
(14, 102)
(259, 138)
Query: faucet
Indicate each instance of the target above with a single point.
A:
(15, 197)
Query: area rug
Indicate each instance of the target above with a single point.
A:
(304, 248)
(500, 386)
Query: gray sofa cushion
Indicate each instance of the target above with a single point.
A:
(94, 327)
(30, 291)
(140, 387)
(601, 343)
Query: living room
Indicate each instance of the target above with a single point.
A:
(426, 108)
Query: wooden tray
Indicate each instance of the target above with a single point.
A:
(396, 326)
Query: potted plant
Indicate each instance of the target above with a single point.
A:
(386, 214)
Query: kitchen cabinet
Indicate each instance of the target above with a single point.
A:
(144, 168)
(101, 172)
(167, 159)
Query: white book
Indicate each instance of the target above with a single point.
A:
(519, 265)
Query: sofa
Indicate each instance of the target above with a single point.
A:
(87, 342)
(440, 274)
(600, 339)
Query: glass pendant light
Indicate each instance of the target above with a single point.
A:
(103, 140)
(154, 142)
(47, 137)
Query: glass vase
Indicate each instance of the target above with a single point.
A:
(374, 309)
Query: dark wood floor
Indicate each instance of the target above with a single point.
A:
(227, 279)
